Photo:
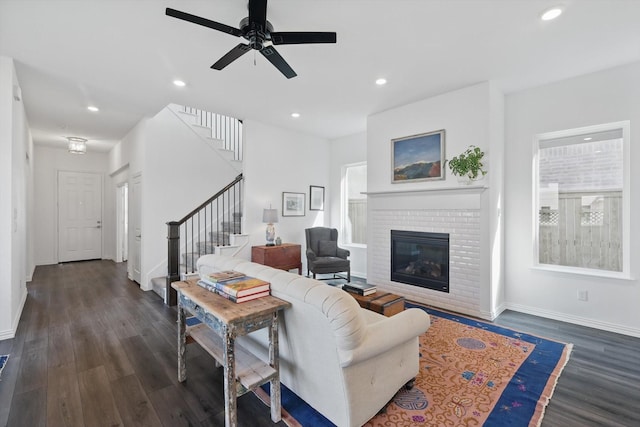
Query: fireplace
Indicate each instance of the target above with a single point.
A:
(420, 259)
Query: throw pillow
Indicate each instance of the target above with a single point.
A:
(327, 248)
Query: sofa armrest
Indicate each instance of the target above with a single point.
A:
(386, 334)
(342, 253)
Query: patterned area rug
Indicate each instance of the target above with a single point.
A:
(3, 362)
(472, 373)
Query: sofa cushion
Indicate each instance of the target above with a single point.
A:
(327, 248)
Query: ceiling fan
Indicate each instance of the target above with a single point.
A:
(259, 33)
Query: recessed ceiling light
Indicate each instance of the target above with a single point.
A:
(381, 82)
(550, 14)
(93, 108)
(295, 115)
(179, 83)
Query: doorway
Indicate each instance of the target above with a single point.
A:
(135, 267)
(122, 207)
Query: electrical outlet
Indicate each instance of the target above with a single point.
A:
(583, 295)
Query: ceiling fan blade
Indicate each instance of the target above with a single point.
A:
(258, 12)
(302, 37)
(203, 21)
(231, 56)
(274, 57)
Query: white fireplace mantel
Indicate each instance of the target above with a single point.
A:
(460, 197)
(466, 189)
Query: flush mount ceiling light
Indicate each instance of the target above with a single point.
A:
(179, 83)
(381, 82)
(550, 14)
(93, 108)
(77, 145)
(295, 115)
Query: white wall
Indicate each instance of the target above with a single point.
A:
(180, 171)
(16, 262)
(277, 160)
(343, 151)
(607, 96)
(47, 162)
(470, 116)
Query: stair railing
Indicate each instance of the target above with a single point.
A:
(225, 128)
(201, 230)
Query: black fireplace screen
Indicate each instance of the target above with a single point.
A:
(420, 259)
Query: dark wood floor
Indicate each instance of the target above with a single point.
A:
(93, 350)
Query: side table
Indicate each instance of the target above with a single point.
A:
(221, 322)
(284, 257)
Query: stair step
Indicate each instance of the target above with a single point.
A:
(219, 238)
(158, 284)
(206, 247)
(202, 130)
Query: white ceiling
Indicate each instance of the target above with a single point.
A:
(122, 56)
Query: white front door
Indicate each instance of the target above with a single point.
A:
(79, 216)
(136, 225)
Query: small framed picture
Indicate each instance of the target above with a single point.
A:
(293, 204)
(316, 198)
(418, 157)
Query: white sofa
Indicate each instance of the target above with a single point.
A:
(344, 361)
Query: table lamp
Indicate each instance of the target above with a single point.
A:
(270, 216)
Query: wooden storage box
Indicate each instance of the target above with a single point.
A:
(381, 302)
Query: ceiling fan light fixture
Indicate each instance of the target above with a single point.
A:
(77, 145)
(551, 14)
(259, 34)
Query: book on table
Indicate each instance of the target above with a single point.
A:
(238, 287)
(245, 298)
(222, 276)
(359, 288)
(243, 286)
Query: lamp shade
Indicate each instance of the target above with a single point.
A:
(270, 216)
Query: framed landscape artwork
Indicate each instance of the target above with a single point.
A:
(418, 157)
(293, 204)
(316, 198)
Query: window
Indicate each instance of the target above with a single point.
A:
(581, 209)
(354, 204)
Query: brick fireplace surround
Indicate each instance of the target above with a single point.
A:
(457, 211)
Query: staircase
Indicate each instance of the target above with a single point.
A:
(213, 227)
(216, 225)
(223, 133)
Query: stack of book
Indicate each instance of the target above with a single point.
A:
(359, 288)
(235, 286)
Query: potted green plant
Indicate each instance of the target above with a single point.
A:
(468, 165)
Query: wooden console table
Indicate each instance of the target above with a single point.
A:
(284, 257)
(221, 322)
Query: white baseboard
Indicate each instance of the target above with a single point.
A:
(11, 333)
(582, 321)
